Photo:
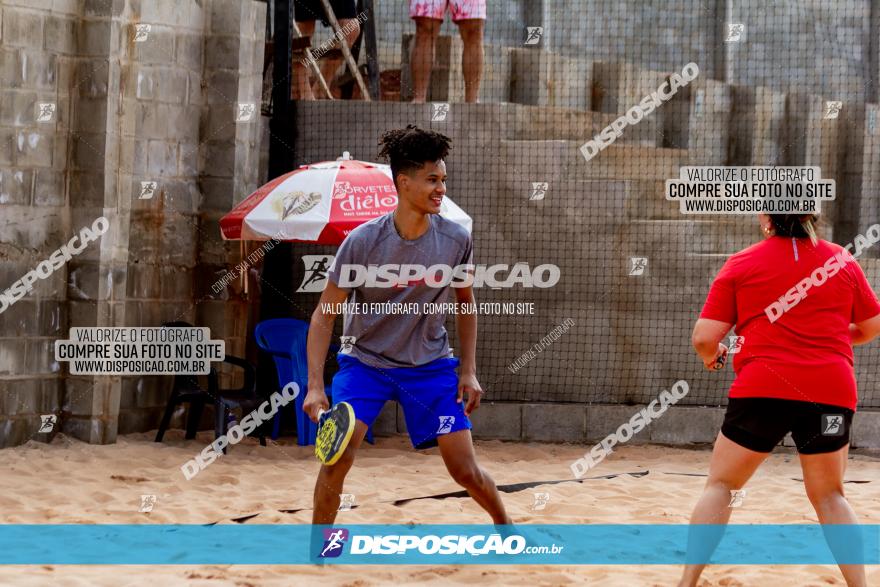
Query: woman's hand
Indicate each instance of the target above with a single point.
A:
(714, 364)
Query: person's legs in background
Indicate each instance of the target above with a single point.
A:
(302, 90)
(306, 12)
(471, 31)
(422, 58)
(329, 66)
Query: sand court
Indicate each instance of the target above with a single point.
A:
(70, 482)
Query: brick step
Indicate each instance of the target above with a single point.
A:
(542, 78)
(526, 122)
(558, 160)
(328, 126)
(600, 201)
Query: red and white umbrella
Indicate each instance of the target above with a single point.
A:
(321, 203)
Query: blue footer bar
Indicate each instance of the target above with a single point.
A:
(559, 544)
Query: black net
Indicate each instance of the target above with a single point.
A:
(778, 84)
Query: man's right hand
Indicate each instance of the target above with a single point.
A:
(316, 400)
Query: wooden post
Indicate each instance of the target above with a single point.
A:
(372, 50)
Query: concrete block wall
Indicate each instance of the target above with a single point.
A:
(212, 164)
(38, 63)
(860, 177)
(662, 36)
(814, 140)
(708, 124)
(757, 134)
(98, 179)
(820, 46)
(229, 161)
(165, 72)
(542, 78)
(869, 207)
(617, 87)
(160, 109)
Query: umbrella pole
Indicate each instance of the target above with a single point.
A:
(312, 63)
(244, 274)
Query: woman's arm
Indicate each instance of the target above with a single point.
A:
(865, 331)
(707, 337)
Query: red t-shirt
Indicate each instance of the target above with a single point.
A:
(806, 353)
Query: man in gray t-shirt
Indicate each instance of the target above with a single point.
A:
(404, 338)
(405, 260)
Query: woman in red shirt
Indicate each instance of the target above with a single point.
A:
(798, 304)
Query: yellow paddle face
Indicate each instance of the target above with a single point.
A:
(324, 440)
(335, 432)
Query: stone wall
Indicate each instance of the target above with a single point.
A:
(130, 108)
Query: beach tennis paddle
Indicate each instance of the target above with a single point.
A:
(719, 362)
(335, 427)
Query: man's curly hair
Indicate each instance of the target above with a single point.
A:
(409, 148)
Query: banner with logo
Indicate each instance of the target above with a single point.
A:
(544, 544)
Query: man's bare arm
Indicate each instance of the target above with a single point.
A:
(320, 333)
(466, 324)
(467, 337)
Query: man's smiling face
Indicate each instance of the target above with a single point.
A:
(424, 188)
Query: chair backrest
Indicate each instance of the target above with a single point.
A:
(285, 339)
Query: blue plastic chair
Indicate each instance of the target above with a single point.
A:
(285, 339)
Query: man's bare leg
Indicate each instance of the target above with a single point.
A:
(331, 479)
(330, 66)
(422, 58)
(471, 31)
(457, 450)
(302, 90)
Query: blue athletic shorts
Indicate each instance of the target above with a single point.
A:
(426, 393)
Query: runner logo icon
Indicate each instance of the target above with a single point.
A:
(832, 425)
(446, 423)
(334, 539)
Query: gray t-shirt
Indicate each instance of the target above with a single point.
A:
(399, 340)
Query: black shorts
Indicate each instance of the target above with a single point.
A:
(759, 424)
(306, 10)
